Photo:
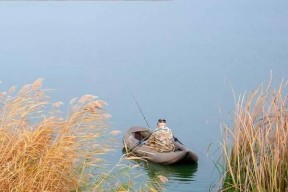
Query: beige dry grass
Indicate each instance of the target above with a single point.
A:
(41, 150)
(255, 149)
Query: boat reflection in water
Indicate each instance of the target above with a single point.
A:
(176, 172)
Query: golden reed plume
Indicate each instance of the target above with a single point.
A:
(42, 151)
(255, 150)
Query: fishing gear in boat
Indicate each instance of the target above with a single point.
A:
(177, 140)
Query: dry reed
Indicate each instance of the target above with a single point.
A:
(42, 151)
(255, 150)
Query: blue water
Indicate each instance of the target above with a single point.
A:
(181, 60)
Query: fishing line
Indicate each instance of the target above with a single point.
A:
(140, 108)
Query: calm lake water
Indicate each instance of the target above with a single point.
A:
(179, 58)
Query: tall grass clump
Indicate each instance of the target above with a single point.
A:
(255, 150)
(42, 151)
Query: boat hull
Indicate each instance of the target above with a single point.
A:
(180, 155)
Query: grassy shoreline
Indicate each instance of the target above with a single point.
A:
(255, 149)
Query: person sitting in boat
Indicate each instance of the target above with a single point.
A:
(162, 139)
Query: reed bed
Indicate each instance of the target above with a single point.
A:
(43, 149)
(255, 149)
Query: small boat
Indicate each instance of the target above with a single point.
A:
(135, 135)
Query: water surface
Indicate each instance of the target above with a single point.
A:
(179, 58)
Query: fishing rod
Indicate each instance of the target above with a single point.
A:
(175, 138)
(140, 109)
(140, 141)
